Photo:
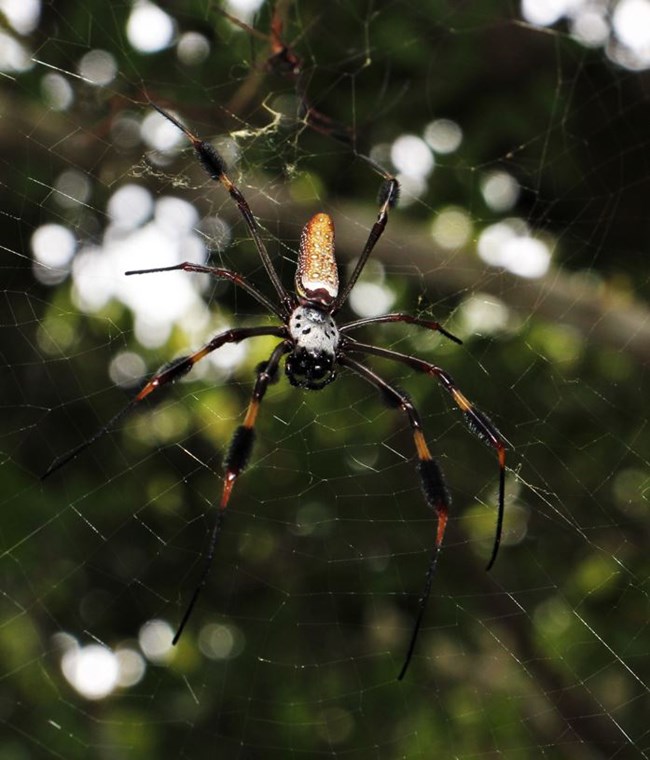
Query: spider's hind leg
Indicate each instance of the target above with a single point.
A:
(476, 420)
(431, 480)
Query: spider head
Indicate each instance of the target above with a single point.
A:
(310, 369)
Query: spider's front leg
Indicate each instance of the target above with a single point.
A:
(399, 317)
(243, 438)
(169, 373)
(235, 461)
(215, 167)
(220, 274)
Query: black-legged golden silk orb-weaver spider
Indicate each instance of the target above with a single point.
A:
(315, 347)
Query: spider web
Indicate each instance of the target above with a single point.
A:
(526, 239)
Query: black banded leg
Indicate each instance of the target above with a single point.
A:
(170, 372)
(431, 479)
(235, 461)
(399, 317)
(216, 168)
(388, 197)
(476, 420)
(220, 274)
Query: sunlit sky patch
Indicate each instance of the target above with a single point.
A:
(92, 670)
(155, 640)
(243, 9)
(220, 642)
(98, 67)
(590, 27)
(57, 91)
(482, 314)
(126, 368)
(545, 12)
(13, 56)
(53, 246)
(622, 27)
(192, 48)
(412, 156)
(125, 131)
(510, 245)
(130, 206)
(631, 22)
(95, 671)
(22, 15)
(143, 234)
(452, 228)
(99, 275)
(73, 187)
(149, 29)
(371, 296)
(500, 190)
(131, 667)
(159, 133)
(443, 136)
(414, 162)
(370, 299)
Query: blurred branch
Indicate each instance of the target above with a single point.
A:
(601, 314)
(577, 710)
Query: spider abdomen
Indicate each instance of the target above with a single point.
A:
(317, 278)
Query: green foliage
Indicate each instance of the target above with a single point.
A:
(326, 540)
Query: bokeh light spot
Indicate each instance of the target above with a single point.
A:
(149, 29)
(92, 670)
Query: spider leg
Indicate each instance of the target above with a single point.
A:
(476, 421)
(219, 274)
(235, 461)
(167, 374)
(399, 317)
(215, 167)
(388, 196)
(431, 479)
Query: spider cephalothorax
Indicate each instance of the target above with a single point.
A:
(315, 337)
(315, 347)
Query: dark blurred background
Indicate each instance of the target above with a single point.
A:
(528, 239)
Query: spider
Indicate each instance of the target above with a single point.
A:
(315, 348)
